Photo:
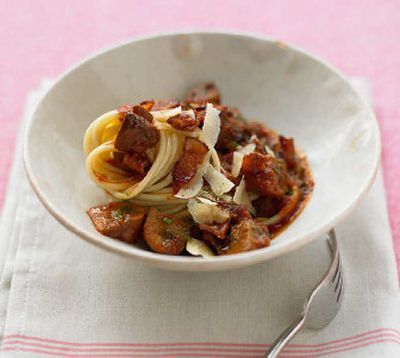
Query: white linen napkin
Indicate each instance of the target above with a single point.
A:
(60, 296)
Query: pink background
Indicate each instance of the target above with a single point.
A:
(362, 38)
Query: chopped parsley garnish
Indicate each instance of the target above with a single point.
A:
(166, 220)
(117, 214)
(126, 209)
(233, 145)
(289, 192)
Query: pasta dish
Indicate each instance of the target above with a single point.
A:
(193, 176)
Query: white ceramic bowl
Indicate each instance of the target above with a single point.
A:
(294, 92)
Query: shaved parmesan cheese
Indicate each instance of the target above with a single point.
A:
(198, 248)
(211, 127)
(239, 192)
(242, 197)
(196, 183)
(253, 137)
(210, 198)
(269, 151)
(215, 159)
(206, 214)
(238, 158)
(206, 201)
(237, 163)
(164, 114)
(226, 198)
(206, 193)
(219, 183)
(190, 113)
(191, 190)
(249, 148)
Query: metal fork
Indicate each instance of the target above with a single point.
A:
(322, 303)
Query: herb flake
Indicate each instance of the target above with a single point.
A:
(289, 192)
(233, 145)
(166, 220)
(117, 214)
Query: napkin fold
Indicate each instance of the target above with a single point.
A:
(60, 296)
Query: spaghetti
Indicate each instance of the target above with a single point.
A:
(196, 173)
(154, 189)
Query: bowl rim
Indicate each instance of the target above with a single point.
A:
(186, 263)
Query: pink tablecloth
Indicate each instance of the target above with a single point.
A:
(42, 38)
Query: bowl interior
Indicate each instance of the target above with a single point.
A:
(292, 92)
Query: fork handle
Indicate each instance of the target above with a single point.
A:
(280, 343)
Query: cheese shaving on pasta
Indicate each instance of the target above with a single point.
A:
(238, 158)
(205, 213)
(206, 201)
(242, 197)
(190, 113)
(269, 151)
(247, 149)
(237, 162)
(211, 127)
(219, 183)
(163, 115)
(198, 248)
